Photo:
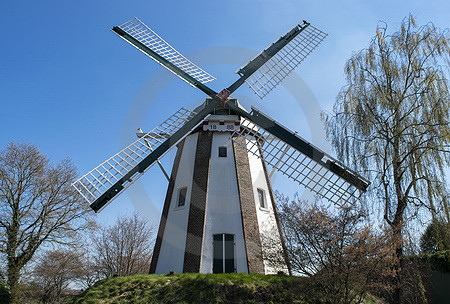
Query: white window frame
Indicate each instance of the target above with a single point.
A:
(264, 198)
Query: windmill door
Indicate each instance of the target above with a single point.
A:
(223, 253)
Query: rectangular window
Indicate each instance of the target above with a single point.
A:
(182, 197)
(222, 151)
(262, 198)
(223, 253)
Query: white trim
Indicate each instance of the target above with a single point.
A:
(263, 209)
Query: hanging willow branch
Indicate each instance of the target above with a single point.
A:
(391, 120)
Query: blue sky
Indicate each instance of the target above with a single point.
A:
(72, 87)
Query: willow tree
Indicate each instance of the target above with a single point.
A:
(391, 121)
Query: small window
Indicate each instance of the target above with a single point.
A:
(262, 198)
(222, 151)
(181, 197)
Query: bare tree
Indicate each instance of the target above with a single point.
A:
(391, 121)
(90, 272)
(336, 247)
(55, 270)
(37, 205)
(124, 248)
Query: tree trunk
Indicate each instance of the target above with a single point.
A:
(397, 222)
(13, 282)
(397, 234)
(398, 245)
(13, 265)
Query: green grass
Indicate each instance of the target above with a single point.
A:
(197, 288)
(207, 288)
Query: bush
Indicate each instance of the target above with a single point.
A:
(436, 237)
(5, 296)
(438, 261)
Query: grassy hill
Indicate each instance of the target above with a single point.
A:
(198, 288)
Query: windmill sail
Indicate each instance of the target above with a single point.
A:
(263, 73)
(147, 41)
(296, 158)
(102, 184)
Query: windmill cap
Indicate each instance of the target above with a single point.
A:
(219, 109)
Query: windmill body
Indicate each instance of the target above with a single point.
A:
(219, 207)
(219, 214)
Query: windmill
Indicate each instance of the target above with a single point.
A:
(219, 205)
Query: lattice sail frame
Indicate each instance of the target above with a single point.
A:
(294, 164)
(137, 29)
(269, 75)
(97, 181)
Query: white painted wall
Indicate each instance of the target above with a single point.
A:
(223, 211)
(270, 236)
(171, 256)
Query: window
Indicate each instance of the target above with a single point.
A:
(223, 253)
(262, 198)
(222, 151)
(182, 197)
